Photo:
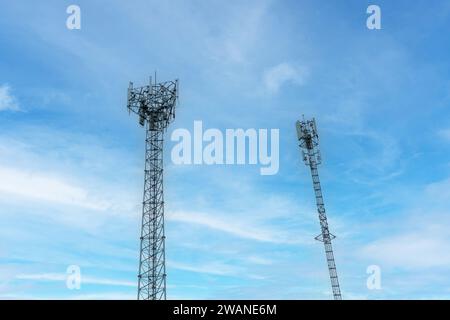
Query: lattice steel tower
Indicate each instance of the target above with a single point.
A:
(309, 143)
(155, 106)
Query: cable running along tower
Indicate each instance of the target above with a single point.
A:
(309, 144)
(155, 106)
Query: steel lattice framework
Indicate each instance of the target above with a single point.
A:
(309, 143)
(155, 106)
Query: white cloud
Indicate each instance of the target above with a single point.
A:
(240, 229)
(421, 237)
(438, 192)
(214, 268)
(45, 187)
(410, 251)
(84, 280)
(7, 101)
(239, 33)
(445, 134)
(105, 296)
(274, 78)
(43, 277)
(259, 260)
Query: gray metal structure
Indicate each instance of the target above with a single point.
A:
(309, 144)
(155, 106)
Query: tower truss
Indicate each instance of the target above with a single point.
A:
(309, 144)
(155, 106)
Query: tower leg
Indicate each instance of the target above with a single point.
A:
(325, 236)
(152, 269)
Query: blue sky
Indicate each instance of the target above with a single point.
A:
(71, 159)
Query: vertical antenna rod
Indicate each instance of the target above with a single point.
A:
(309, 143)
(155, 106)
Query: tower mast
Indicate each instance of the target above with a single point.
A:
(309, 144)
(155, 106)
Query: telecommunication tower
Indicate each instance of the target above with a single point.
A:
(309, 144)
(155, 106)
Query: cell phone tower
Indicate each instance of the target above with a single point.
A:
(309, 144)
(155, 106)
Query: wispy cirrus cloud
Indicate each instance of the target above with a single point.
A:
(7, 100)
(277, 76)
(240, 33)
(418, 238)
(84, 279)
(46, 167)
(239, 228)
(444, 134)
(105, 296)
(213, 268)
(39, 186)
(423, 247)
